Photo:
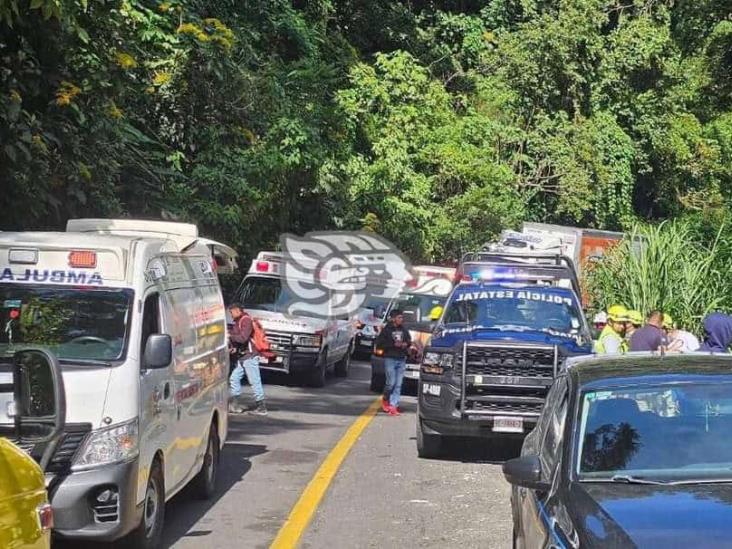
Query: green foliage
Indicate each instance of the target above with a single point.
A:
(435, 124)
(666, 267)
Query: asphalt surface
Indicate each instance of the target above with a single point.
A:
(382, 496)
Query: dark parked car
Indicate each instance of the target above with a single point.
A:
(629, 452)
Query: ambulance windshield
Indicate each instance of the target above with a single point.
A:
(74, 323)
(550, 310)
(265, 294)
(417, 307)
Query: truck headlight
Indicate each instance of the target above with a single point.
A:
(436, 363)
(307, 341)
(109, 445)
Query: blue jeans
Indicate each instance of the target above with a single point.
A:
(394, 370)
(251, 367)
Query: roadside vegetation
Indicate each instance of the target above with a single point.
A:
(673, 266)
(434, 123)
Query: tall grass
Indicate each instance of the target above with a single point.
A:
(663, 267)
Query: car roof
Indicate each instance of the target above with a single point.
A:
(597, 371)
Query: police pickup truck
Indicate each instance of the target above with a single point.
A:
(505, 331)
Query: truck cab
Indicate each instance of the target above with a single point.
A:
(304, 345)
(503, 336)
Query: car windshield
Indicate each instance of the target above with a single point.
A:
(81, 324)
(417, 307)
(665, 432)
(373, 308)
(266, 294)
(551, 310)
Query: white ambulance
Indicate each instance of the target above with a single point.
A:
(133, 311)
(305, 346)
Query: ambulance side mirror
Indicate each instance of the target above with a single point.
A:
(158, 351)
(35, 415)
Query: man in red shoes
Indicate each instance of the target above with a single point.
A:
(395, 340)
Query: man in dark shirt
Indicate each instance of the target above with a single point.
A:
(651, 336)
(247, 360)
(395, 341)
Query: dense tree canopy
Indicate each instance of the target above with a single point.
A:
(434, 123)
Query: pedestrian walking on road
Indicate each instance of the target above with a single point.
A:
(679, 341)
(610, 341)
(650, 337)
(717, 333)
(396, 341)
(247, 361)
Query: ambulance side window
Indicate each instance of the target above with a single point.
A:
(150, 318)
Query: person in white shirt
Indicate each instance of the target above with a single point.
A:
(680, 341)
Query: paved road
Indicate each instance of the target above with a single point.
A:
(383, 495)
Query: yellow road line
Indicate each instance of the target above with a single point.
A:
(303, 511)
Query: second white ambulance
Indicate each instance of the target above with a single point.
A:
(305, 346)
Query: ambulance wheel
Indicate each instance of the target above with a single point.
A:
(344, 365)
(316, 378)
(428, 446)
(149, 534)
(204, 483)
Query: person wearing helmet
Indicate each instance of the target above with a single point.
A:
(635, 321)
(679, 340)
(610, 341)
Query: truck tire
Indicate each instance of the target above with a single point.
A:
(149, 534)
(316, 378)
(204, 483)
(344, 365)
(428, 446)
(377, 383)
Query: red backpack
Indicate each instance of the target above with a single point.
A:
(259, 339)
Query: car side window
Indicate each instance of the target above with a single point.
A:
(554, 426)
(150, 318)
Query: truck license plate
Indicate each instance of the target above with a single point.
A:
(508, 425)
(275, 360)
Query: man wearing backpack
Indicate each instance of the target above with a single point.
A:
(246, 355)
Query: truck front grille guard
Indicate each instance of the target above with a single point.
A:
(464, 372)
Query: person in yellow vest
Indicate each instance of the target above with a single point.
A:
(611, 339)
(635, 321)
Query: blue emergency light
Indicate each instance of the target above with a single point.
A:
(484, 274)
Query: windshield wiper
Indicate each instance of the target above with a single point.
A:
(630, 479)
(702, 481)
(624, 479)
(84, 361)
